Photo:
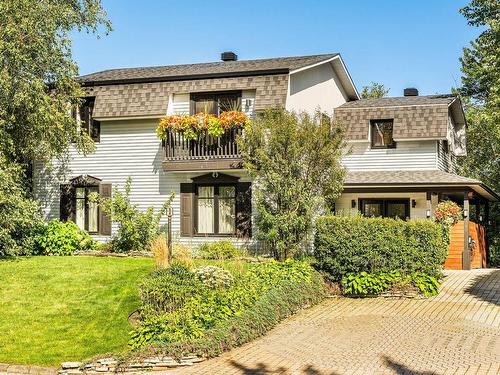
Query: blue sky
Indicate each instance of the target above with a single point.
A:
(399, 43)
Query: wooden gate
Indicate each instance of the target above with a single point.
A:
(477, 246)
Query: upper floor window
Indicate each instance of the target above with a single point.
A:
(215, 102)
(381, 134)
(87, 123)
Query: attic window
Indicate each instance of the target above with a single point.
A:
(381, 134)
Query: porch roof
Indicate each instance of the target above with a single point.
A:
(418, 180)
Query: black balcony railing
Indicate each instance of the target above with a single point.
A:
(206, 147)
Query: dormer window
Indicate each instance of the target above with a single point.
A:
(381, 134)
(215, 102)
(87, 123)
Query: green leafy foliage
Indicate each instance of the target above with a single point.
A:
(19, 216)
(372, 284)
(269, 309)
(180, 306)
(38, 82)
(218, 250)
(366, 283)
(62, 238)
(481, 95)
(136, 229)
(295, 162)
(351, 245)
(428, 285)
(374, 91)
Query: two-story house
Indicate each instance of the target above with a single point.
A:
(400, 162)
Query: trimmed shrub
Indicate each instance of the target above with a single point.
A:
(63, 238)
(351, 245)
(218, 250)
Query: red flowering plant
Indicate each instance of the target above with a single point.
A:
(447, 212)
(193, 126)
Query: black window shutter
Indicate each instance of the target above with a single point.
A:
(244, 210)
(187, 199)
(104, 220)
(67, 203)
(95, 130)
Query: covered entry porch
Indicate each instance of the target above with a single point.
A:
(415, 195)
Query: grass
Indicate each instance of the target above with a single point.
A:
(55, 309)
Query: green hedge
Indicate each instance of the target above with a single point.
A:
(351, 245)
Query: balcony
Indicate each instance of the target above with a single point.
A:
(205, 153)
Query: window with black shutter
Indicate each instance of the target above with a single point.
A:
(216, 206)
(77, 205)
(87, 123)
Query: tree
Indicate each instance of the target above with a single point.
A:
(374, 91)
(295, 161)
(38, 86)
(38, 90)
(481, 95)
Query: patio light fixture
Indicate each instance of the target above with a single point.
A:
(353, 203)
(428, 213)
(466, 213)
(413, 203)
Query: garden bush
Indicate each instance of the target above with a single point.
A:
(351, 245)
(181, 308)
(136, 229)
(167, 290)
(20, 217)
(218, 250)
(62, 238)
(373, 284)
(214, 277)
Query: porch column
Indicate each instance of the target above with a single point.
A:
(486, 225)
(428, 212)
(466, 251)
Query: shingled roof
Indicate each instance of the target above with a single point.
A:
(415, 179)
(203, 70)
(430, 177)
(402, 101)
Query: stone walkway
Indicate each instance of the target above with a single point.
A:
(456, 332)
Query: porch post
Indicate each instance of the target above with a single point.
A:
(466, 251)
(487, 227)
(428, 212)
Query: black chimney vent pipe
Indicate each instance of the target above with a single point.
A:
(410, 91)
(228, 56)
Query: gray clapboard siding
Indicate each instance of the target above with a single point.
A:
(127, 148)
(408, 155)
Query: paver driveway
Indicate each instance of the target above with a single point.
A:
(456, 332)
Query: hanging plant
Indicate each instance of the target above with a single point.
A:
(194, 126)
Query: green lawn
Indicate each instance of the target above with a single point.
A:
(55, 309)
